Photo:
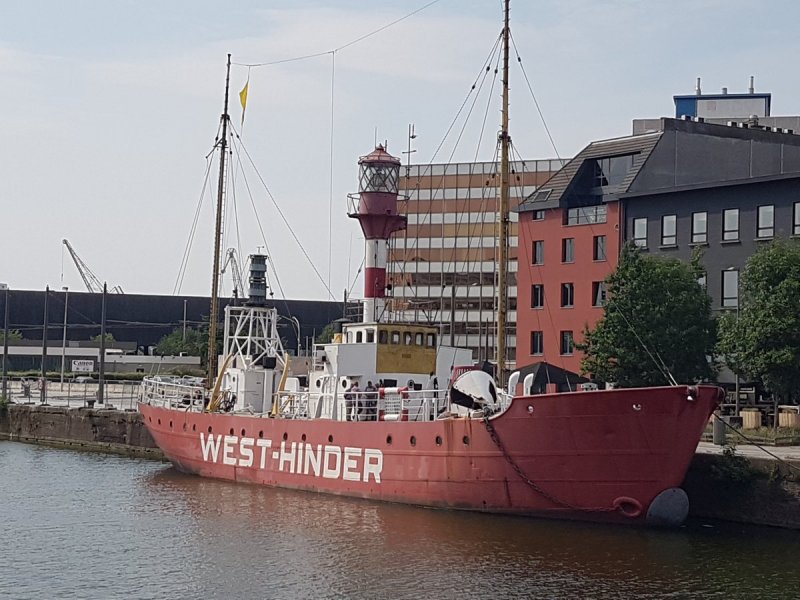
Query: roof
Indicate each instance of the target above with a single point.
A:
(550, 193)
(544, 372)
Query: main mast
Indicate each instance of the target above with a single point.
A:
(214, 314)
(502, 237)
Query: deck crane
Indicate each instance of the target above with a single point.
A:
(230, 259)
(90, 280)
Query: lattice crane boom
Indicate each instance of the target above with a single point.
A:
(91, 282)
(230, 259)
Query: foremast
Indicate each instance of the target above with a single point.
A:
(502, 236)
(213, 316)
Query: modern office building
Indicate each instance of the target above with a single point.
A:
(685, 184)
(442, 267)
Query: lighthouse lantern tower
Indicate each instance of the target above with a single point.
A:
(379, 173)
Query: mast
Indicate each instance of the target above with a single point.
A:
(213, 316)
(502, 237)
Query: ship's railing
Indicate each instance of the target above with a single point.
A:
(394, 404)
(172, 395)
(293, 405)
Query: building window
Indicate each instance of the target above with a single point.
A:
(730, 225)
(598, 293)
(699, 228)
(567, 295)
(538, 215)
(567, 342)
(796, 227)
(612, 170)
(537, 342)
(537, 295)
(599, 252)
(537, 251)
(766, 221)
(702, 280)
(669, 226)
(568, 250)
(587, 215)
(730, 288)
(640, 232)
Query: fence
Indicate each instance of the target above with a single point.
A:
(121, 395)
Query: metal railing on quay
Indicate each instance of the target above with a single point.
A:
(73, 392)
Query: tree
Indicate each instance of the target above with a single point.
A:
(13, 336)
(109, 338)
(656, 322)
(326, 337)
(761, 339)
(173, 344)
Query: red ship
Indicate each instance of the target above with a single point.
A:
(372, 423)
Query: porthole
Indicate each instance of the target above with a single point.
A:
(330, 439)
(170, 424)
(209, 429)
(413, 440)
(150, 419)
(244, 433)
(438, 440)
(159, 421)
(260, 434)
(389, 440)
(230, 431)
(194, 426)
(303, 437)
(285, 436)
(466, 440)
(185, 427)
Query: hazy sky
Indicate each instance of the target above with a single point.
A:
(109, 109)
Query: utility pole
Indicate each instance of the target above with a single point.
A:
(184, 320)
(43, 383)
(101, 375)
(64, 338)
(453, 312)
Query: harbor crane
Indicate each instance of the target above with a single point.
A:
(90, 280)
(230, 259)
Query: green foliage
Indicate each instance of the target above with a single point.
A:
(109, 338)
(733, 471)
(327, 335)
(13, 336)
(762, 339)
(173, 344)
(656, 312)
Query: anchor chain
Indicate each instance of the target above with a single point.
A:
(532, 484)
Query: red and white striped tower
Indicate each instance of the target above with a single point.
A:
(379, 173)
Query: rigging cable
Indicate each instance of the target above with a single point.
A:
(283, 217)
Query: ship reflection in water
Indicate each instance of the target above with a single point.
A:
(95, 526)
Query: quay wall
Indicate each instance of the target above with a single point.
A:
(755, 491)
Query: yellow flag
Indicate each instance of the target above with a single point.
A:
(243, 97)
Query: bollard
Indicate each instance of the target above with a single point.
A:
(718, 430)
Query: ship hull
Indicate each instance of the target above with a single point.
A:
(611, 456)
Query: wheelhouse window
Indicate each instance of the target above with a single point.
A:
(567, 342)
(383, 336)
(395, 338)
(730, 288)
(408, 338)
(640, 232)
(599, 252)
(359, 337)
(431, 340)
(587, 215)
(537, 295)
(567, 295)
(370, 336)
(669, 230)
(730, 225)
(568, 250)
(766, 221)
(537, 252)
(699, 228)
(419, 339)
(537, 342)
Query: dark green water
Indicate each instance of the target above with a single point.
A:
(82, 525)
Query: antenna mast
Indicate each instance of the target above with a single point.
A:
(502, 238)
(213, 317)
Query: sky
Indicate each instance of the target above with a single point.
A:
(111, 108)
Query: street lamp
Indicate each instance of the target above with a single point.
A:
(296, 326)
(738, 305)
(64, 338)
(4, 287)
